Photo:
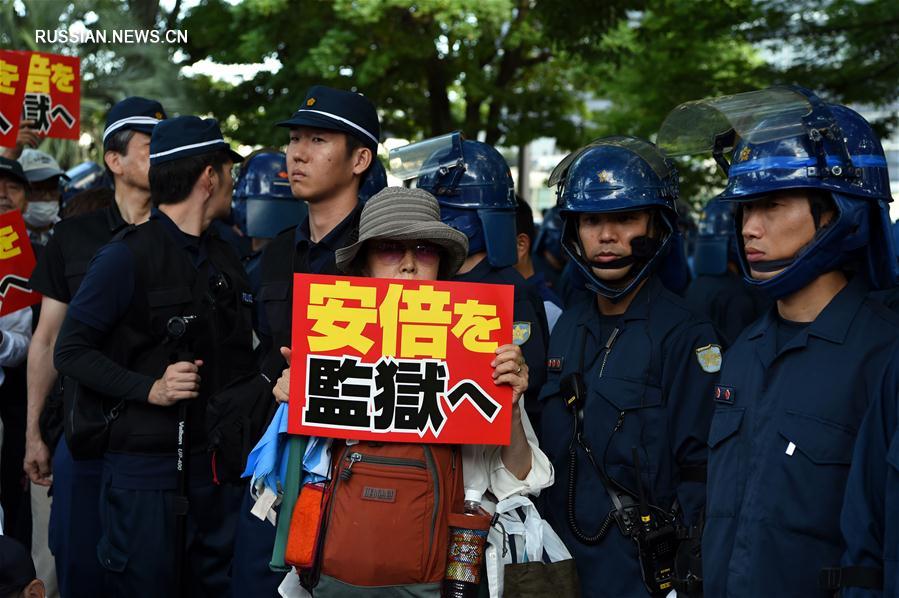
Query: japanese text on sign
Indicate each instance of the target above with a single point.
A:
(396, 360)
(42, 88)
(16, 263)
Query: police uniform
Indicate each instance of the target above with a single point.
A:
(530, 330)
(291, 251)
(74, 518)
(648, 390)
(727, 302)
(792, 395)
(781, 440)
(116, 341)
(869, 522)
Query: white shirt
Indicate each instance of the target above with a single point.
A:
(15, 330)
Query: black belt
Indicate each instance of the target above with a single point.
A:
(834, 578)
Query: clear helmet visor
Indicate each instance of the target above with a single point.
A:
(714, 124)
(426, 157)
(649, 153)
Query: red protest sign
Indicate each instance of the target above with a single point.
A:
(53, 94)
(13, 76)
(16, 264)
(399, 360)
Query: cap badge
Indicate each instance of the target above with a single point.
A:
(310, 102)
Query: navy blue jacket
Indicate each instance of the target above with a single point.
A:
(870, 517)
(652, 393)
(781, 441)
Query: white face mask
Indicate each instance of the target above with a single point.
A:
(41, 213)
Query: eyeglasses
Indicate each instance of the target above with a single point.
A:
(393, 252)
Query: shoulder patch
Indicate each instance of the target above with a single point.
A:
(709, 358)
(521, 332)
(554, 364)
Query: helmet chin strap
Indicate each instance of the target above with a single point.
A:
(817, 210)
(642, 248)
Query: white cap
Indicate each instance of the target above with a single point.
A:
(39, 166)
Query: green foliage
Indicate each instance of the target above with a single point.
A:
(108, 72)
(487, 67)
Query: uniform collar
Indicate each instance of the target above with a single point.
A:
(637, 310)
(832, 324)
(184, 241)
(476, 274)
(114, 218)
(334, 240)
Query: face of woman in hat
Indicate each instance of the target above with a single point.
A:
(395, 258)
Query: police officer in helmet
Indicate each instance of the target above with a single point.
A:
(717, 289)
(809, 183)
(625, 412)
(263, 205)
(473, 185)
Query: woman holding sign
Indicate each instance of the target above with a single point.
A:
(389, 506)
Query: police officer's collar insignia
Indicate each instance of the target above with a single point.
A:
(521, 332)
(709, 358)
(724, 394)
(744, 154)
(554, 364)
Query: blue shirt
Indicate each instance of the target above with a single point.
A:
(652, 391)
(781, 441)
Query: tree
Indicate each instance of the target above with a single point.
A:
(108, 72)
(488, 67)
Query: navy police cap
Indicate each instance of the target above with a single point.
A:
(14, 169)
(134, 113)
(338, 110)
(185, 136)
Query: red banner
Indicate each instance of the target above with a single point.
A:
(399, 360)
(44, 88)
(13, 76)
(16, 264)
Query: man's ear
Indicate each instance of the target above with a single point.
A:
(523, 244)
(35, 589)
(112, 161)
(362, 159)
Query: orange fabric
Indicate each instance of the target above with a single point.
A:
(305, 526)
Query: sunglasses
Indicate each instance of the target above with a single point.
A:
(392, 252)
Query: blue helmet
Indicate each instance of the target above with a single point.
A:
(83, 177)
(473, 184)
(549, 237)
(786, 138)
(715, 242)
(375, 180)
(262, 204)
(621, 174)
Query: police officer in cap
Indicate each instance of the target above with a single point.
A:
(717, 290)
(160, 322)
(331, 159)
(624, 417)
(810, 188)
(473, 185)
(74, 519)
